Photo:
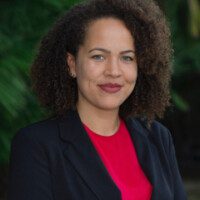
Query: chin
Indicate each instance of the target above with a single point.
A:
(109, 106)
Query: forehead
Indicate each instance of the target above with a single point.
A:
(108, 30)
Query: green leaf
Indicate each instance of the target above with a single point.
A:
(179, 102)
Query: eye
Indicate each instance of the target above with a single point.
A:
(127, 58)
(98, 57)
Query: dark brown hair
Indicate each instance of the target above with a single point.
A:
(57, 90)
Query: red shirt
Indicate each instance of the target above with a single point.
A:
(119, 157)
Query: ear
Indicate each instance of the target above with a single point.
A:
(72, 64)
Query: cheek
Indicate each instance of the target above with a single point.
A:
(89, 72)
(131, 76)
(87, 75)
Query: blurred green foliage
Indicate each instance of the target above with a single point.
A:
(22, 25)
(184, 18)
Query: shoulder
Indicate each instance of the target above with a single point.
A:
(40, 132)
(157, 133)
(155, 128)
(159, 130)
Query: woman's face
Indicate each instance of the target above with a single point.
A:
(105, 67)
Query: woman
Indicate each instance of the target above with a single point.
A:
(103, 70)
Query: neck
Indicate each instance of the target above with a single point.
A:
(102, 122)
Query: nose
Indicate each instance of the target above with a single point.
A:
(113, 68)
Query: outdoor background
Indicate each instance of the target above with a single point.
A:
(22, 23)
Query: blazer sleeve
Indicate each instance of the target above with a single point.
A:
(29, 177)
(179, 190)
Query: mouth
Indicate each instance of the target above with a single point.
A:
(110, 87)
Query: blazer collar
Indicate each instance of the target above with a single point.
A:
(84, 157)
(86, 160)
(71, 121)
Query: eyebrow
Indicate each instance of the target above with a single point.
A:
(107, 51)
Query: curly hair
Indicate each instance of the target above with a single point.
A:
(57, 90)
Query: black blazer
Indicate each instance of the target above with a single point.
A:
(55, 160)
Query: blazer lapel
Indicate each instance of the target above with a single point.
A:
(142, 148)
(84, 157)
(148, 158)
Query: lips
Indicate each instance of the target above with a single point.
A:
(110, 87)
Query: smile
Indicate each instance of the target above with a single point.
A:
(110, 88)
